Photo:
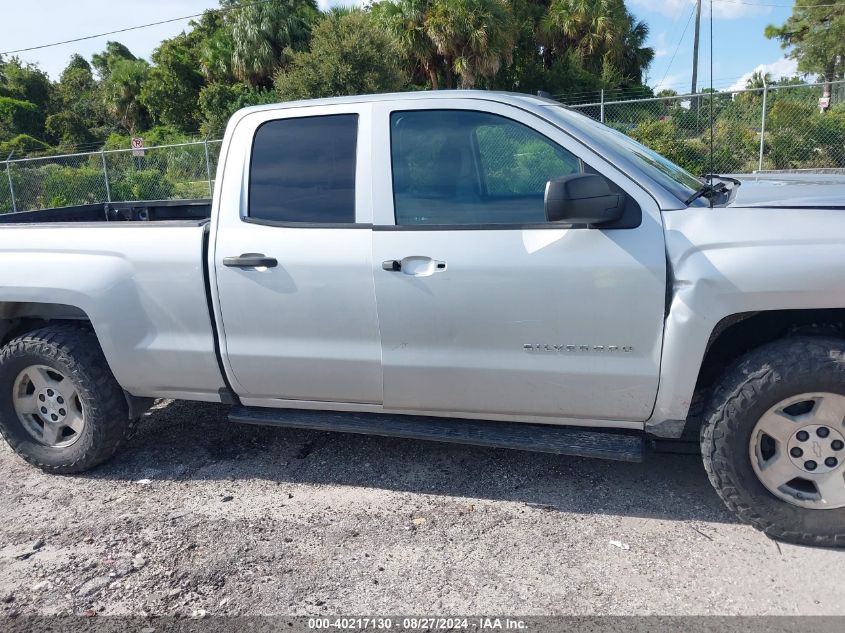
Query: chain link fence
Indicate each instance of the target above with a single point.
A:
(779, 127)
(166, 172)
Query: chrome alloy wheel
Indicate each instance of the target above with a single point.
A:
(797, 450)
(48, 406)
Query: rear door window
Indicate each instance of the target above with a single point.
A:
(302, 170)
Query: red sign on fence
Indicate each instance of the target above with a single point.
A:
(137, 146)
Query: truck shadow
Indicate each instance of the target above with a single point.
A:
(195, 441)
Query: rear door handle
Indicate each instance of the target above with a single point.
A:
(250, 260)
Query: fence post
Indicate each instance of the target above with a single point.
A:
(763, 125)
(106, 176)
(11, 186)
(601, 108)
(208, 169)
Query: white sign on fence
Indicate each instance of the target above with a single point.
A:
(137, 146)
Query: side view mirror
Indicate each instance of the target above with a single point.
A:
(582, 199)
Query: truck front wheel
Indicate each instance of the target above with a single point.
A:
(774, 440)
(60, 407)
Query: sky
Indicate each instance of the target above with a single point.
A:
(739, 44)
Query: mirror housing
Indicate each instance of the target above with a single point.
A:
(582, 199)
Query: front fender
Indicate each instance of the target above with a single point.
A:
(736, 260)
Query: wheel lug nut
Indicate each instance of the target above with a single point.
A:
(50, 392)
(54, 417)
(62, 412)
(60, 400)
(810, 465)
(837, 445)
(796, 452)
(830, 462)
(822, 431)
(41, 397)
(44, 410)
(802, 436)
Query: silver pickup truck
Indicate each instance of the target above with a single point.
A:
(473, 267)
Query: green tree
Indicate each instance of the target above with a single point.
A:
(758, 79)
(350, 54)
(122, 90)
(475, 37)
(18, 117)
(605, 36)
(219, 101)
(113, 53)
(262, 33)
(635, 57)
(77, 94)
(67, 130)
(216, 45)
(28, 83)
(171, 90)
(585, 26)
(30, 96)
(815, 33)
(407, 21)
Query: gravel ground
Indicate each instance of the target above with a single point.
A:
(199, 516)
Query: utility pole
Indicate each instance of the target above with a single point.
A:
(695, 46)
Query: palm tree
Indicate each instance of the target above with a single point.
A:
(636, 56)
(121, 91)
(260, 33)
(474, 37)
(602, 33)
(585, 26)
(758, 80)
(406, 20)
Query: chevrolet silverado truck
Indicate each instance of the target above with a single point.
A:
(475, 267)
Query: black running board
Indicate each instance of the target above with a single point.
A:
(628, 446)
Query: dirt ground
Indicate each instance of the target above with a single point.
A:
(198, 516)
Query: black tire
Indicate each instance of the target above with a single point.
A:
(758, 381)
(74, 352)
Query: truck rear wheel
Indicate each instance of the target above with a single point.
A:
(60, 407)
(773, 440)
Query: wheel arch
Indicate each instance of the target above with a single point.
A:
(19, 317)
(737, 334)
(734, 336)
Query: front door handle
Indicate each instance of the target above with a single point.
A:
(250, 260)
(415, 266)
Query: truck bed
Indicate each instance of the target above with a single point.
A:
(141, 284)
(132, 211)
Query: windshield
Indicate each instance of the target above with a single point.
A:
(674, 178)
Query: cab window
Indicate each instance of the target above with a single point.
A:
(464, 167)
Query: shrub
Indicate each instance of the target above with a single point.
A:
(23, 144)
(828, 130)
(789, 148)
(144, 184)
(18, 116)
(735, 146)
(65, 186)
(785, 113)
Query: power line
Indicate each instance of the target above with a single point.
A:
(677, 48)
(782, 6)
(134, 28)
